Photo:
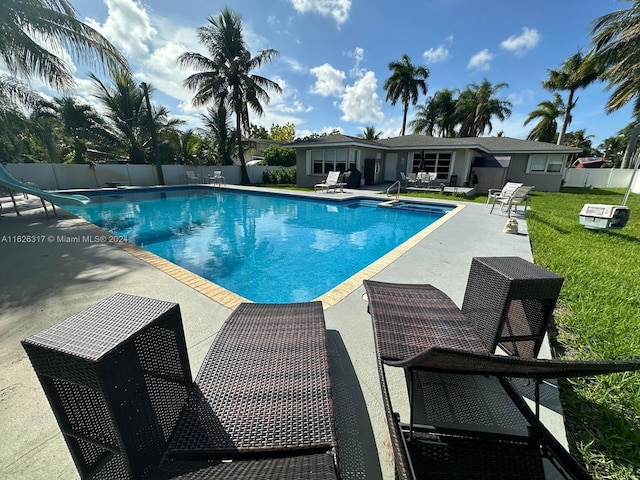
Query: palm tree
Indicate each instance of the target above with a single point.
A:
(548, 111)
(226, 76)
(369, 133)
(477, 105)
(28, 31)
(578, 71)
(217, 129)
(616, 42)
(188, 146)
(580, 139)
(437, 116)
(405, 84)
(79, 121)
(126, 108)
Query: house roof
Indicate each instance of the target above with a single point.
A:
(337, 139)
(589, 162)
(493, 145)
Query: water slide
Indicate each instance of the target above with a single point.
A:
(10, 182)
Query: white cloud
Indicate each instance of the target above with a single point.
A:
(328, 80)
(294, 64)
(481, 60)
(435, 55)
(327, 130)
(127, 26)
(356, 71)
(520, 44)
(521, 98)
(360, 102)
(337, 9)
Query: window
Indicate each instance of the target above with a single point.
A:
(439, 163)
(325, 161)
(545, 163)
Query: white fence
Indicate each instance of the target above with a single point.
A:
(601, 178)
(54, 176)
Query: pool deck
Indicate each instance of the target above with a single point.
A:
(55, 276)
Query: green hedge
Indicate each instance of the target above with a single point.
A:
(285, 176)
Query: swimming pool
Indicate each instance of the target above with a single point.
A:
(263, 247)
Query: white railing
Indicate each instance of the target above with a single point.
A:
(397, 194)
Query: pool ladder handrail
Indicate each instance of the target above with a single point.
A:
(397, 194)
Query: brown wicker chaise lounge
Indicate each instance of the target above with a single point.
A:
(118, 380)
(468, 418)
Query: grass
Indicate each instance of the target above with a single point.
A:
(598, 317)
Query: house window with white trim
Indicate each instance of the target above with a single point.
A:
(325, 161)
(543, 163)
(439, 163)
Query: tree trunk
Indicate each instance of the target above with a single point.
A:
(565, 119)
(243, 165)
(631, 147)
(152, 128)
(404, 117)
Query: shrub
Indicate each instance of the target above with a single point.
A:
(277, 156)
(285, 176)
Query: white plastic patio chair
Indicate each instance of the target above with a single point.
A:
(503, 192)
(217, 178)
(519, 196)
(192, 177)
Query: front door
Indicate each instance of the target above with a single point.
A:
(391, 167)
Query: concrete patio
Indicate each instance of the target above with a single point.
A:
(47, 280)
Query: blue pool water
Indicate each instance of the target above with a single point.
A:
(266, 248)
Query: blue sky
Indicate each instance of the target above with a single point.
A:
(334, 54)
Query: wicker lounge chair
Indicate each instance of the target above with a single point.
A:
(466, 420)
(118, 379)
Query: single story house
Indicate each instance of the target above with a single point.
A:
(489, 161)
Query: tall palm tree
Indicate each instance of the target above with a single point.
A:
(32, 30)
(477, 105)
(225, 77)
(616, 48)
(548, 112)
(437, 116)
(405, 84)
(578, 71)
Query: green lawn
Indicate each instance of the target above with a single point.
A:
(598, 317)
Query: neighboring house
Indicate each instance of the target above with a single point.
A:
(254, 148)
(589, 162)
(494, 160)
